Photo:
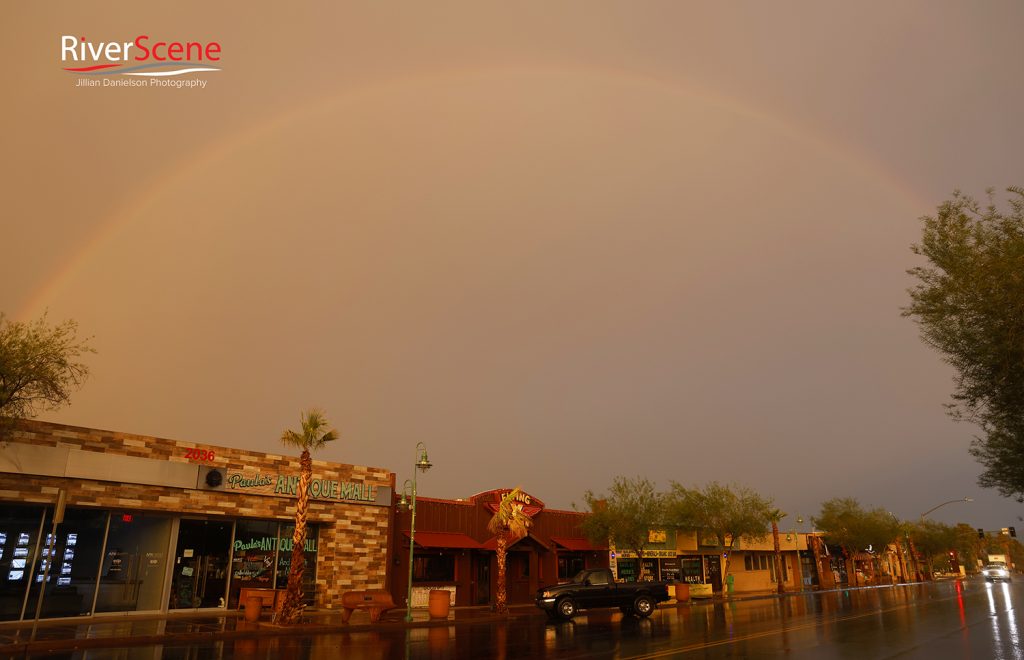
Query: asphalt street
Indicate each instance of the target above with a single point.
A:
(954, 619)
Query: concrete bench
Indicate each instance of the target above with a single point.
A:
(376, 601)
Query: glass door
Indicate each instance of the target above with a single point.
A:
(201, 563)
(134, 563)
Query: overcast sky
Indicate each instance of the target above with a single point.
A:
(555, 242)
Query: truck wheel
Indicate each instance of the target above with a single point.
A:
(643, 606)
(566, 608)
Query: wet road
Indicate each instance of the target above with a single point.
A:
(944, 620)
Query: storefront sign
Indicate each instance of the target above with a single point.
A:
(700, 591)
(288, 486)
(530, 504)
(656, 536)
(648, 554)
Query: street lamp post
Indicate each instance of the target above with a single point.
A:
(910, 541)
(422, 464)
(962, 499)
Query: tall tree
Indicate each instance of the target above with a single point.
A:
(934, 539)
(625, 516)
(315, 433)
(508, 524)
(969, 305)
(847, 524)
(727, 513)
(40, 365)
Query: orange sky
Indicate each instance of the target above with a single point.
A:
(555, 243)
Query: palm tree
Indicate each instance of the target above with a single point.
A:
(509, 524)
(316, 433)
(775, 516)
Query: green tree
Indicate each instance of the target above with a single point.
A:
(40, 365)
(625, 515)
(725, 513)
(934, 540)
(968, 546)
(969, 305)
(847, 524)
(315, 433)
(508, 524)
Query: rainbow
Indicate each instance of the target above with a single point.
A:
(167, 180)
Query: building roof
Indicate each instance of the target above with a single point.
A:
(445, 540)
(578, 544)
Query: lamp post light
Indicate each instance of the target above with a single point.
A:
(962, 499)
(422, 464)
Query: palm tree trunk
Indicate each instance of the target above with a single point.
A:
(778, 558)
(292, 609)
(502, 600)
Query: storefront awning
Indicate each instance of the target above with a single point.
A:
(577, 544)
(444, 540)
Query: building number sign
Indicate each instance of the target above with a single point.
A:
(197, 454)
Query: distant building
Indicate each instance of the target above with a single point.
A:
(455, 551)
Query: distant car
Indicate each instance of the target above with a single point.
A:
(994, 572)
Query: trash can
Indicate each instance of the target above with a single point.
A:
(253, 608)
(682, 592)
(729, 579)
(439, 604)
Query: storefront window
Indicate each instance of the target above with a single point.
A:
(71, 579)
(254, 557)
(627, 570)
(650, 572)
(670, 570)
(284, 560)
(569, 565)
(433, 568)
(692, 569)
(19, 532)
(134, 563)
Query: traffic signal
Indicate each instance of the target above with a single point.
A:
(1013, 532)
(981, 533)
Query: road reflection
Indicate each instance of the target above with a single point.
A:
(954, 619)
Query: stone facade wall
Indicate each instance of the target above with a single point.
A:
(352, 551)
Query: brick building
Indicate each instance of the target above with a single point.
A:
(156, 525)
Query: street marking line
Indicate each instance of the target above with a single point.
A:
(769, 633)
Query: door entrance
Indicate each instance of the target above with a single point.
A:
(201, 564)
(713, 567)
(483, 579)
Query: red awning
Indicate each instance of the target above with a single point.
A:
(578, 545)
(444, 540)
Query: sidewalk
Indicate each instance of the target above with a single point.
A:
(122, 630)
(17, 638)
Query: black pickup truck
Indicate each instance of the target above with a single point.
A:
(594, 588)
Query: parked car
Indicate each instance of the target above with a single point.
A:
(595, 588)
(994, 572)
